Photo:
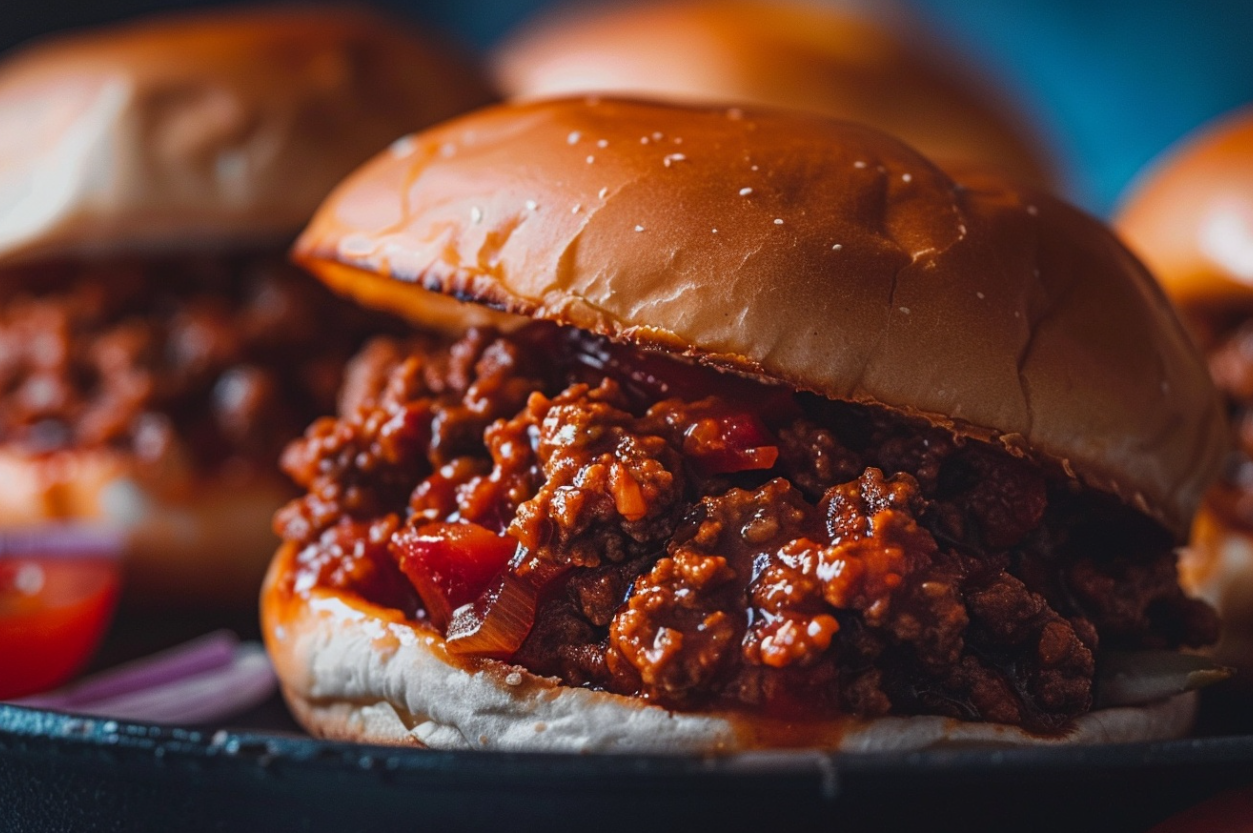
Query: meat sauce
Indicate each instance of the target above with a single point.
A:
(627, 522)
(204, 359)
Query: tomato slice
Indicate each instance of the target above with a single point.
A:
(730, 442)
(451, 564)
(53, 613)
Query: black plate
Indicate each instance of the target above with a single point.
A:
(65, 772)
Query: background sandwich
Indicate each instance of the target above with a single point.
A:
(155, 350)
(837, 60)
(1190, 216)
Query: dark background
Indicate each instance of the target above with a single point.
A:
(1110, 83)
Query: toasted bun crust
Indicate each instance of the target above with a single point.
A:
(187, 540)
(805, 55)
(1190, 215)
(353, 671)
(211, 129)
(816, 253)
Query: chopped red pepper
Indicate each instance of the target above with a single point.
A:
(451, 564)
(730, 442)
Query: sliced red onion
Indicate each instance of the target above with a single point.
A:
(206, 653)
(62, 540)
(202, 698)
(207, 679)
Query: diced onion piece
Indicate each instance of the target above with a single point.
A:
(496, 624)
(451, 564)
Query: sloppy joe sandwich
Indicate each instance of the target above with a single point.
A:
(770, 433)
(157, 351)
(837, 60)
(1190, 216)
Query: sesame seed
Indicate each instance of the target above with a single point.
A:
(859, 164)
(447, 149)
(573, 138)
(639, 228)
(531, 205)
(744, 192)
(602, 143)
(753, 168)
(837, 247)
(576, 208)
(643, 140)
(778, 221)
(905, 310)
(602, 192)
(672, 158)
(906, 177)
(657, 136)
(980, 295)
(476, 214)
(715, 231)
(678, 140)
(403, 146)
(591, 159)
(1032, 210)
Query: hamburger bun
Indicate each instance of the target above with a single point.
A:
(1190, 217)
(213, 133)
(819, 254)
(838, 60)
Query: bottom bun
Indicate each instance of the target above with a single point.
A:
(354, 671)
(185, 539)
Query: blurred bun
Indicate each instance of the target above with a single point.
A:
(185, 536)
(1190, 215)
(207, 130)
(835, 61)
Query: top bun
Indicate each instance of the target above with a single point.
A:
(813, 252)
(1191, 215)
(214, 129)
(802, 55)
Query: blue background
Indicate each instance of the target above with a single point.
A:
(1111, 83)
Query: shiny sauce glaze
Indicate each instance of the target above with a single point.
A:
(628, 522)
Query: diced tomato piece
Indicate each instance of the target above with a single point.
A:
(451, 564)
(730, 442)
(53, 613)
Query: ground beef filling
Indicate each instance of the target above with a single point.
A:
(626, 522)
(204, 359)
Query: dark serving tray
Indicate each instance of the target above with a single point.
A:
(64, 772)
